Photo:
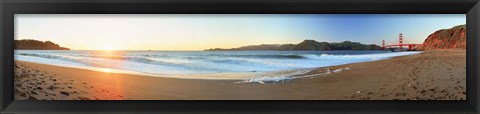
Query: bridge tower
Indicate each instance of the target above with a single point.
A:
(400, 41)
(383, 43)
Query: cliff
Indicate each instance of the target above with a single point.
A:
(30, 44)
(306, 45)
(454, 37)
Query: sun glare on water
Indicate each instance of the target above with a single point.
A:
(107, 70)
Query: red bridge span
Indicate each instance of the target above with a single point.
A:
(400, 44)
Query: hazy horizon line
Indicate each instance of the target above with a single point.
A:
(198, 49)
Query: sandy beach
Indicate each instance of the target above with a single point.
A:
(431, 75)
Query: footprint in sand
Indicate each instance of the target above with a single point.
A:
(33, 92)
(32, 98)
(65, 93)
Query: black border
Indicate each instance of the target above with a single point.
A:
(10, 7)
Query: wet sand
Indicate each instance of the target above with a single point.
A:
(431, 75)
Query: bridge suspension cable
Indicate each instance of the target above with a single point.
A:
(399, 44)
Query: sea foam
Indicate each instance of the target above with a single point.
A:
(259, 66)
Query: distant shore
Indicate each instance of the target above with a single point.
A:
(431, 75)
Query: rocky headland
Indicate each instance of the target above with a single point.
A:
(453, 38)
(29, 44)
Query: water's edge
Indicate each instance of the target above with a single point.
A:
(252, 76)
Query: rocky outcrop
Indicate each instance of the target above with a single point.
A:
(306, 45)
(454, 37)
(30, 44)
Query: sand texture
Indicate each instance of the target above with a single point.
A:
(431, 75)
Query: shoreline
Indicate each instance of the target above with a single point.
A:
(362, 81)
(239, 76)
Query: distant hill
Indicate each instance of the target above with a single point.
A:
(29, 44)
(454, 37)
(306, 45)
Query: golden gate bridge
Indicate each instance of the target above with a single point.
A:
(400, 45)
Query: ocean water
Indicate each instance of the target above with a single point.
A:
(245, 65)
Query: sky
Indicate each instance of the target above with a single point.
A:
(204, 31)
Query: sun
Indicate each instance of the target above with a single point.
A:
(108, 47)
